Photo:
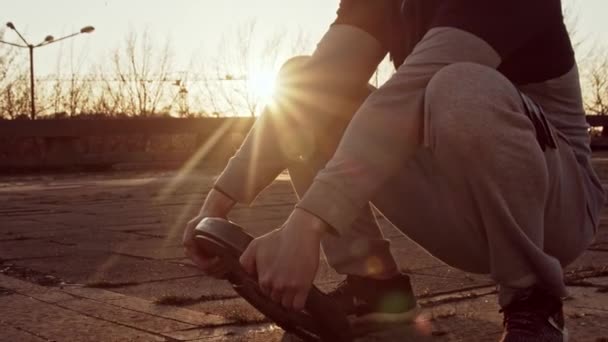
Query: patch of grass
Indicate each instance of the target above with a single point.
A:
(209, 298)
(241, 318)
(27, 274)
(5, 292)
(173, 300)
(109, 285)
(580, 283)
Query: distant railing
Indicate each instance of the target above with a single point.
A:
(599, 141)
(107, 142)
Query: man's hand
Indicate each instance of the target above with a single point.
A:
(286, 260)
(216, 205)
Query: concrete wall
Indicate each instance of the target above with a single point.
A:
(106, 143)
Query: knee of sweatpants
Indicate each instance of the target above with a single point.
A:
(466, 104)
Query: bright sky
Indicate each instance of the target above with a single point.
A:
(194, 26)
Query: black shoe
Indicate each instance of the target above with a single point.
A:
(534, 316)
(376, 302)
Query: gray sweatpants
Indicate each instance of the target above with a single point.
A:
(486, 208)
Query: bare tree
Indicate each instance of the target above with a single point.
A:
(14, 89)
(141, 70)
(596, 99)
(71, 91)
(227, 80)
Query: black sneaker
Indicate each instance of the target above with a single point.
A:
(376, 302)
(534, 316)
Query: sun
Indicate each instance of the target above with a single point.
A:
(262, 84)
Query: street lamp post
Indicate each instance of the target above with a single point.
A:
(48, 40)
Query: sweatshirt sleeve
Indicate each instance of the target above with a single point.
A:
(343, 63)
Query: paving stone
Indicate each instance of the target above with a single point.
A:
(141, 215)
(590, 259)
(276, 335)
(91, 293)
(11, 334)
(22, 224)
(179, 314)
(94, 267)
(236, 309)
(70, 219)
(136, 245)
(411, 257)
(190, 288)
(223, 333)
(54, 323)
(125, 317)
(151, 250)
(588, 298)
(55, 294)
(29, 248)
(36, 230)
(431, 284)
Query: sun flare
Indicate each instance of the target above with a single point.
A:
(263, 84)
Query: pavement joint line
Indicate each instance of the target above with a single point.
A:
(25, 331)
(416, 273)
(177, 309)
(446, 293)
(116, 225)
(136, 283)
(591, 308)
(111, 303)
(59, 304)
(137, 257)
(84, 285)
(33, 258)
(73, 226)
(152, 236)
(441, 299)
(67, 244)
(106, 320)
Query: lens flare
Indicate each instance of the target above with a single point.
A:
(262, 84)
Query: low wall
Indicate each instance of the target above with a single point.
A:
(106, 143)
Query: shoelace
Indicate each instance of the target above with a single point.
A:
(521, 319)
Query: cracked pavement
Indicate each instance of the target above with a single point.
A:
(97, 257)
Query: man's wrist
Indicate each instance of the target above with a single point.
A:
(217, 204)
(313, 222)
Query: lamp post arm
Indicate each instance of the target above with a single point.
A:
(20, 36)
(13, 44)
(45, 43)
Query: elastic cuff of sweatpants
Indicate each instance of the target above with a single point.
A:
(233, 183)
(329, 205)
